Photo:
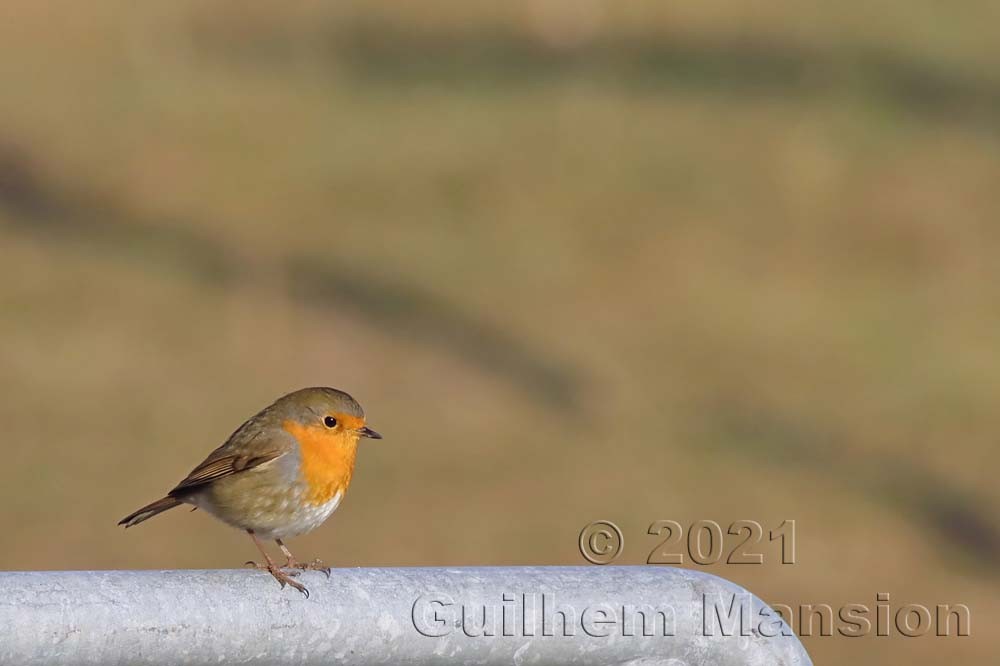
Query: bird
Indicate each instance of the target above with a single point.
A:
(279, 475)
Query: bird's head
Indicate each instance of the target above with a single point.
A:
(323, 414)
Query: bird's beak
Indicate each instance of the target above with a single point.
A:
(369, 433)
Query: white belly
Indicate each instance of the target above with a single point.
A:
(271, 516)
(305, 518)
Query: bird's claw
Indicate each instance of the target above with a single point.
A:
(318, 565)
(288, 578)
(315, 565)
(283, 577)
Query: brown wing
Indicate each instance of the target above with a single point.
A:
(216, 468)
(245, 449)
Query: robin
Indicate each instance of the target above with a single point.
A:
(281, 474)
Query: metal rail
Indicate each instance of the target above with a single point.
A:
(481, 615)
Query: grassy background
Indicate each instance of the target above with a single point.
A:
(578, 260)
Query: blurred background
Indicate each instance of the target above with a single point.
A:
(577, 259)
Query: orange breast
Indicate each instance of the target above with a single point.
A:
(327, 460)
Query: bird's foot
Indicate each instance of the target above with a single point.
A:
(315, 565)
(283, 577)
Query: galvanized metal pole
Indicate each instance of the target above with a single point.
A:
(481, 615)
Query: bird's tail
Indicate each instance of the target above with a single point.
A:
(150, 510)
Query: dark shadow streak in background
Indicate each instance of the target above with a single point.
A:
(490, 60)
(955, 515)
(48, 212)
(430, 320)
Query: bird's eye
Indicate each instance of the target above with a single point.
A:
(330, 422)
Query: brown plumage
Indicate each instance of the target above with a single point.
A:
(150, 510)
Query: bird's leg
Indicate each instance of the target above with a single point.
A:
(292, 563)
(283, 577)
